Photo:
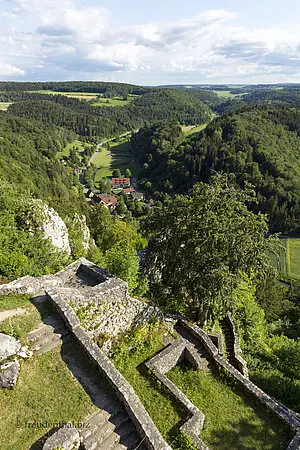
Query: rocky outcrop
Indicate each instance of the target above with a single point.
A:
(66, 438)
(52, 226)
(8, 346)
(9, 373)
(80, 222)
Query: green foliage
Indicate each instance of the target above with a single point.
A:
(271, 295)
(116, 173)
(118, 243)
(24, 251)
(200, 245)
(260, 145)
(250, 316)
(28, 163)
(183, 442)
(129, 355)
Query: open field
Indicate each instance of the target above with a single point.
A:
(117, 101)
(288, 263)
(4, 105)
(79, 95)
(111, 102)
(232, 421)
(46, 392)
(117, 157)
(226, 94)
(77, 145)
(188, 130)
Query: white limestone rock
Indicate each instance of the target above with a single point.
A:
(52, 226)
(8, 346)
(80, 222)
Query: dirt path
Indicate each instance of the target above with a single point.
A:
(11, 313)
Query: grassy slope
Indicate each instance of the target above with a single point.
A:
(111, 102)
(45, 391)
(118, 156)
(288, 264)
(293, 257)
(231, 421)
(191, 129)
(159, 405)
(4, 105)
(66, 151)
(117, 101)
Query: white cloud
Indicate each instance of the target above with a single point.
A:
(61, 41)
(8, 70)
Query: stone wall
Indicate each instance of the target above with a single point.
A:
(287, 415)
(239, 361)
(136, 411)
(162, 363)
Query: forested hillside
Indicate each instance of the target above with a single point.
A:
(102, 87)
(87, 120)
(27, 161)
(260, 145)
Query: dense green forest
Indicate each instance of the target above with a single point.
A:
(89, 121)
(101, 87)
(260, 145)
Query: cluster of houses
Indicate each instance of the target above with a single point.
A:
(122, 185)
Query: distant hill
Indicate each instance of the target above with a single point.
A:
(260, 145)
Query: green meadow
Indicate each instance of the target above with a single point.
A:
(118, 156)
(288, 261)
(4, 105)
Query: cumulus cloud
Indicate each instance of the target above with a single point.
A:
(62, 41)
(8, 70)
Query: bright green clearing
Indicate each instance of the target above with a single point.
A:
(111, 102)
(288, 263)
(226, 94)
(76, 145)
(188, 130)
(231, 421)
(293, 257)
(129, 357)
(46, 391)
(79, 95)
(118, 156)
(115, 101)
(4, 105)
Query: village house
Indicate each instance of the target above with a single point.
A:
(120, 183)
(137, 196)
(109, 201)
(128, 191)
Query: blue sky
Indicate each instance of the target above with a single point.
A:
(154, 42)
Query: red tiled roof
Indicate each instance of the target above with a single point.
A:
(120, 180)
(128, 190)
(113, 201)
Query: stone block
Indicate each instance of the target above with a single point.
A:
(8, 346)
(66, 438)
(9, 373)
